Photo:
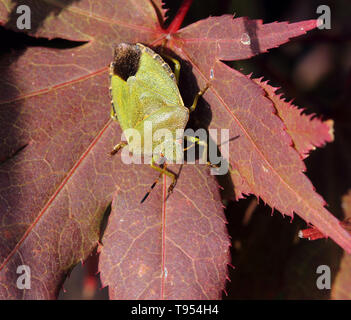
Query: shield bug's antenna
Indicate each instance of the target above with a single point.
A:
(153, 186)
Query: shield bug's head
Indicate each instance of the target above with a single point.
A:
(126, 60)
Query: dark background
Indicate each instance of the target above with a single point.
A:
(314, 70)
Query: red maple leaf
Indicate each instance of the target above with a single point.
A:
(57, 178)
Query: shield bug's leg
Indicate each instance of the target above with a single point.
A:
(196, 140)
(118, 147)
(113, 112)
(176, 66)
(113, 109)
(212, 165)
(198, 95)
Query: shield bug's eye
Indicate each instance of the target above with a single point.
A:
(126, 60)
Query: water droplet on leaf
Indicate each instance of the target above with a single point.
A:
(245, 39)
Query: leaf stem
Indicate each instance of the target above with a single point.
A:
(178, 20)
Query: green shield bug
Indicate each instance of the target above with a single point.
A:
(144, 88)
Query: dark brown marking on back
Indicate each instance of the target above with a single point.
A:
(126, 60)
